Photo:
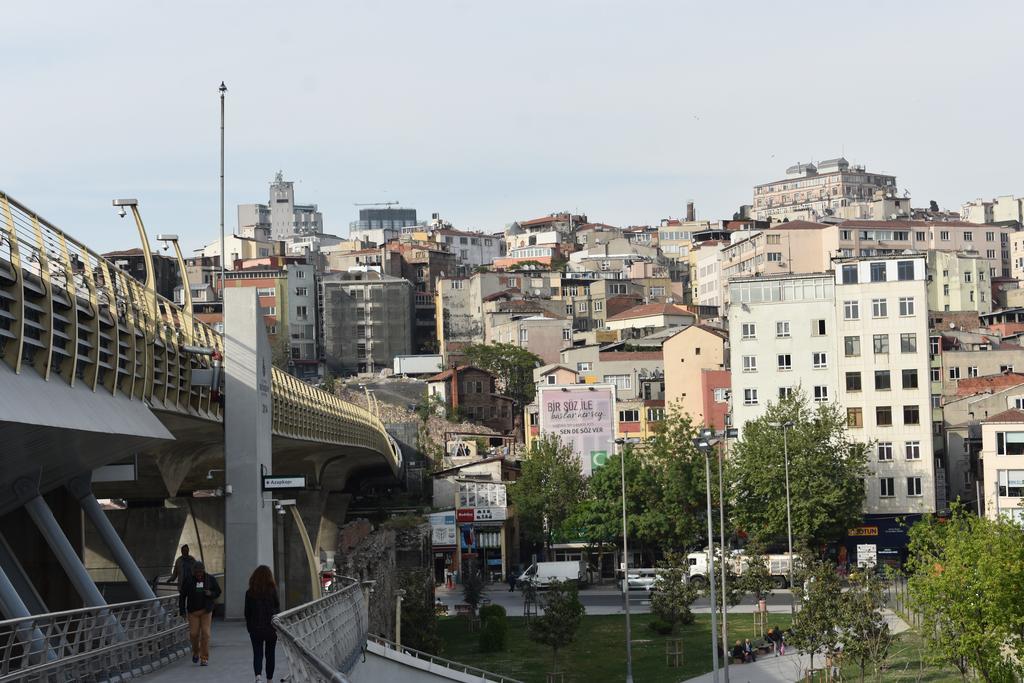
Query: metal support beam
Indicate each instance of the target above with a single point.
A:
(20, 580)
(13, 607)
(81, 489)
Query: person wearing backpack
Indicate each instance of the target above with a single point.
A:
(199, 594)
(261, 604)
(182, 567)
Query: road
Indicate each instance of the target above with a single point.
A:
(606, 599)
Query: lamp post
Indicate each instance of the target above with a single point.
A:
(223, 254)
(703, 444)
(721, 544)
(625, 562)
(786, 426)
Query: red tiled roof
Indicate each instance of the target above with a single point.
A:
(545, 219)
(975, 385)
(461, 368)
(1012, 415)
(646, 310)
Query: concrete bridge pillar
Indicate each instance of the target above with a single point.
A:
(248, 423)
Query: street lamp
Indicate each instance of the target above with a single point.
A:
(703, 444)
(625, 563)
(786, 426)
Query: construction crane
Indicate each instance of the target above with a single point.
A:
(379, 204)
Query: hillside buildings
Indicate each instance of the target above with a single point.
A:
(830, 188)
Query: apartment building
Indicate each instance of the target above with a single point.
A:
(959, 281)
(635, 374)
(647, 318)
(883, 368)
(1003, 209)
(473, 249)
(459, 313)
(696, 357)
(541, 333)
(809, 191)
(280, 217)
(1002, 454)
(783, 337)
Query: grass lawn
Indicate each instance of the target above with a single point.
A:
(907, 663)
(599, 653)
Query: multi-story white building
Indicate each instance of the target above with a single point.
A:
(882, 317)
(809, 192)
(1002, 453)
(782, 332)
(1002, 209)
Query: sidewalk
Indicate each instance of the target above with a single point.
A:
(230, 659)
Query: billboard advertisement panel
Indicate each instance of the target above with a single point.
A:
(583, 416)
(442, 529)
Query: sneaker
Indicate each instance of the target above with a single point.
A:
(195, 660)
(259, 679)
(204, 663)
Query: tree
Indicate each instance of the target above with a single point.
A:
(419, 616)
(472, 585)
(966, 579)
(866, 634)
(757, 577)
(673, 592)
(563, 613)
(280, 352)
(511, 364)
(826, 473)
(549, 487)
(820, 594)
(330, 384)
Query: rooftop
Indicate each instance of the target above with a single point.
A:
(646, 310)
(976, 385)
(1012, 415)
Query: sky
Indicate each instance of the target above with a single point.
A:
(491, 112)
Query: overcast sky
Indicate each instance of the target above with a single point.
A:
(490, 112)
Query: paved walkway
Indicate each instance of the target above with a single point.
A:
(230, 659)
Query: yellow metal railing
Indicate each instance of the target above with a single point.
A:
(73, 316)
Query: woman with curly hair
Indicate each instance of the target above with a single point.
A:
(261, 604)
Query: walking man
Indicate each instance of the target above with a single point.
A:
(182, 567)
(199, 593)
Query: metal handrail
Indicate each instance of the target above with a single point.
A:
(91, 643)
(482, 674)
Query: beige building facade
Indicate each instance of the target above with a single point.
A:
(810, 191)
(687, 354)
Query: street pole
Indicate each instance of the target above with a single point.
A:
(399, 594)
(625, 568)
(789, 516)
(721, 544)
(223, 254)
(711, 569)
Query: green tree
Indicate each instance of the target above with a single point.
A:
(673, 592)
(826, 473)
(966, 579)
(866, 634)
(472, 585)
(815, 628)
(563, 614)
(549, 487)
(756, 578)
(512, 365)
(330, 383)
(419, 618)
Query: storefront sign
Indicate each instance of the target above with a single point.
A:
(863, 531)
(482, 515)
(867, 555)
(442, 529)
(583, 417)
(465, 515)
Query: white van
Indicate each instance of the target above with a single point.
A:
(543, 574)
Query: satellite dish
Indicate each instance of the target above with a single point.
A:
(952, 326)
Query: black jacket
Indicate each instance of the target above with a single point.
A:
(193, 598)
(259, 610)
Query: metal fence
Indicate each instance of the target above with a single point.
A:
(446, 663)
(94, 643)
(324, 639)
(898, 599)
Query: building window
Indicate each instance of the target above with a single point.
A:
(906, 305)
(750, 397)
(888, 488)
(301, 274)
(1004, 369)
(302, 291)
(266, 291)
(655, 414)
(913, 486)
(884, 451)
(935, 374)
(1018, 402)
(785, 392)
(629, 416)
(990, 237)
(598, 306)
(774, 256)
(912, 449)
(819, 360)
(524, 335)
(749, 363)
(850, 274)
(944, 235)
(853, 381)
(1011, 483)
(918, 236)
(782, 329)
(933, 345)
(968, 236)
(817, 328)
(583, 366)
(879, 308)
(1009, 443)
(954, 373)
(851, 346)
(908, 342)
(854, 417)
(581, 306)
(851, 310)
(551, 379)
(820, 394)
(880, 343)
(621, 382)
(910, 379)
(883, 416)
(749, 331)
(878, 272)
(785, 361)
(911, 415)
(905, 269)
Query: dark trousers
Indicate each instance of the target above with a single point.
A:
(263, 645)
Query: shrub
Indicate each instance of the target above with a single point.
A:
(660, 627)
(493, 628)
(492, 610)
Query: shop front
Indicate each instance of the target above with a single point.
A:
(880, 541)
(443, 535)
(482, 539)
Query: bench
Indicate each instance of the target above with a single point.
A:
(463, 609)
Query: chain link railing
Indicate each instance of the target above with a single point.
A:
(94, 643)
(435, 661)
(324, 639)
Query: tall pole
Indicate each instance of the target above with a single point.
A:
(625, 569)
(711, 569)
(789, 518)
(223, 252)
(721, 544)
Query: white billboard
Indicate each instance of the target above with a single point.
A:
(442, 528)
(583, 416)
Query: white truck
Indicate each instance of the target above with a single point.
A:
(778, 566)
(543, 574)
(424, 364)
